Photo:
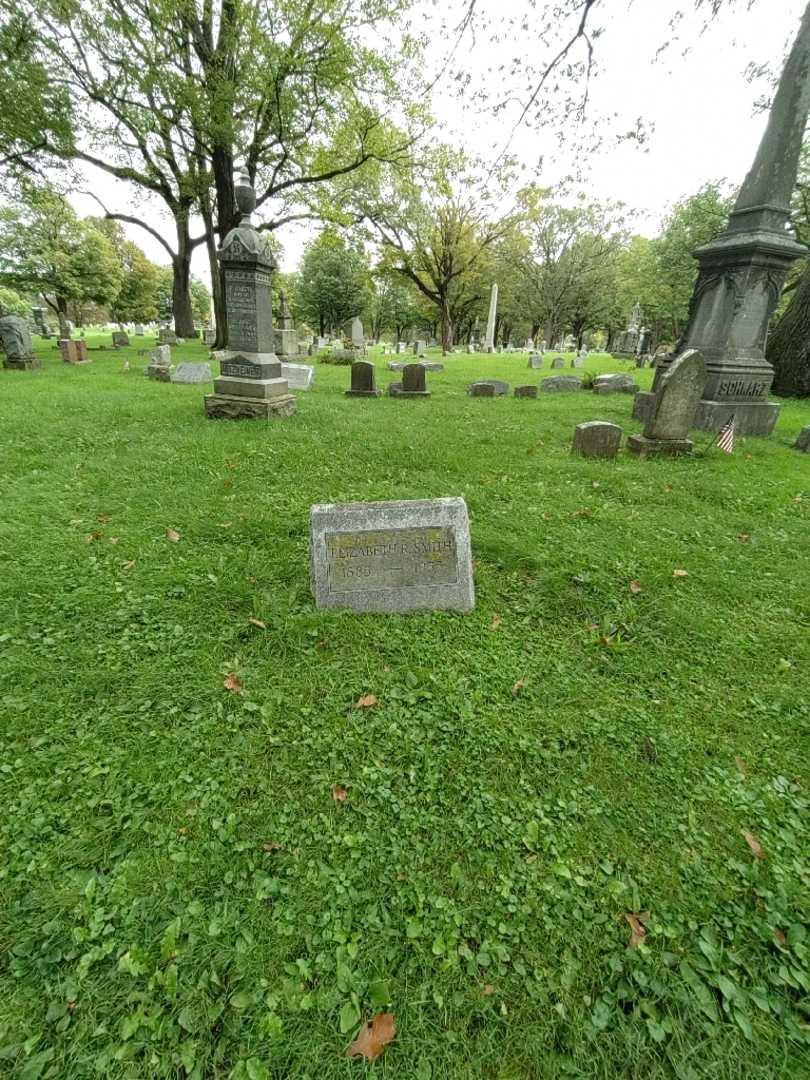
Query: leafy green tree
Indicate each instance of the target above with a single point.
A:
(11, 303)
(137, 297)
(200, 299)
(46, 248)
(333, 284)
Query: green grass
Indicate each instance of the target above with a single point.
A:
(181, 895)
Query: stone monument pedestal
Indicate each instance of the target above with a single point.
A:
(249, 385)
(644, 447)
(231, 407)
(23, 363)
(750, 417)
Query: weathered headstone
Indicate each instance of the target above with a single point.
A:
(363, 381)
(499, 388)
(614, 384)
(557, 363)
(392, 556)
(395, 365)
(432, 365)
(16, 340)
(536, 361)
(676, 399)
(526, 391)
(120, 339)
(74, 352)
(401, 346)
(298, 376)
(285, 335)
(250, 384)
(803, 441)
(419, 348)
(353, 329)
(597, 438)
(481, 389)
(139, 330)
(413, 383)
(166, 336)
(560, 384)
(159, 367)
(209, 336)
(192, 373)
(394, 389)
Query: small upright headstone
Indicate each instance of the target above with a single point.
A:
(166, 336)
(159, 367)
(499, 388)
(192, 373)
(614, 384)
(74, 352)
(414, 384)
(395, 365)
(139, 330)
(536, 361)
(432, 365)
(16, 340)
(120, 339)
(419, 348)
(557, 363)
(676, 400)
(597, 438)
(392, 556)
(209, 336)
(526, 391)
(363, 381)
(803, 441)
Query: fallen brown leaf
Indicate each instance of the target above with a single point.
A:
(744, 538)
(496, 622)
(680, 573)
(518, 686)
(637, 927)
(172, 535)
(635, 587)
(339, 793)
(257, 622)
(741, 765)
(667, 487)
(488, 990)
(103, 518)
(374, 1036)
(367, 701)
(531, 450)
(231, 682)
(270, 845)
(93, 536)
(128, 564)
(753, 843)
(779, 937)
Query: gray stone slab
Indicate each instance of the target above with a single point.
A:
(395, 365)
(557, 384)
(392, 556)
(536, 361)
(558, 362)
(643, 405)
(299, 376)
(432, 365)
(192, 373)
(615, 384)
(597, 438)
(526, 391)
(499, 388)
(803, 441)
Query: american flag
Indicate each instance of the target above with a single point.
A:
(725, 440)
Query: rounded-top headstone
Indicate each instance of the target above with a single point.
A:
(597, 438)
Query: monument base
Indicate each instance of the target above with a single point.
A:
(750, 417)
(263, 389)
(230, 407)
(362, 393)
(410, 393)
(643, 405)
(29, 363)
(643, 447)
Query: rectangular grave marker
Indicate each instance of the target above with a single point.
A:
(392, 556)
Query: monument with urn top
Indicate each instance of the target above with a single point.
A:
(250, 383)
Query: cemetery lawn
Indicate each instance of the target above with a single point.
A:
(183, 895)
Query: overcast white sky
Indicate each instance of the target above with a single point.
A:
(699, 105)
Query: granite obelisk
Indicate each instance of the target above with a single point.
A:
(742, 272)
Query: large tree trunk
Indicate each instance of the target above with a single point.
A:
(447, 327)
(181, 296)
(217, 282)
(788, 348)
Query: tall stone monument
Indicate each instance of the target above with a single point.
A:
(489, 339)
(743, 271)
(16, 340)
(286, 338)
(250, 382)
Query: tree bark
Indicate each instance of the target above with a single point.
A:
(447, 327)
(788, 347)
(181, 295)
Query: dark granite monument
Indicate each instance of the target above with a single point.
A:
(250, 384)
(413, 385)
(743, 271)
(363, 381)
(16, 340)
